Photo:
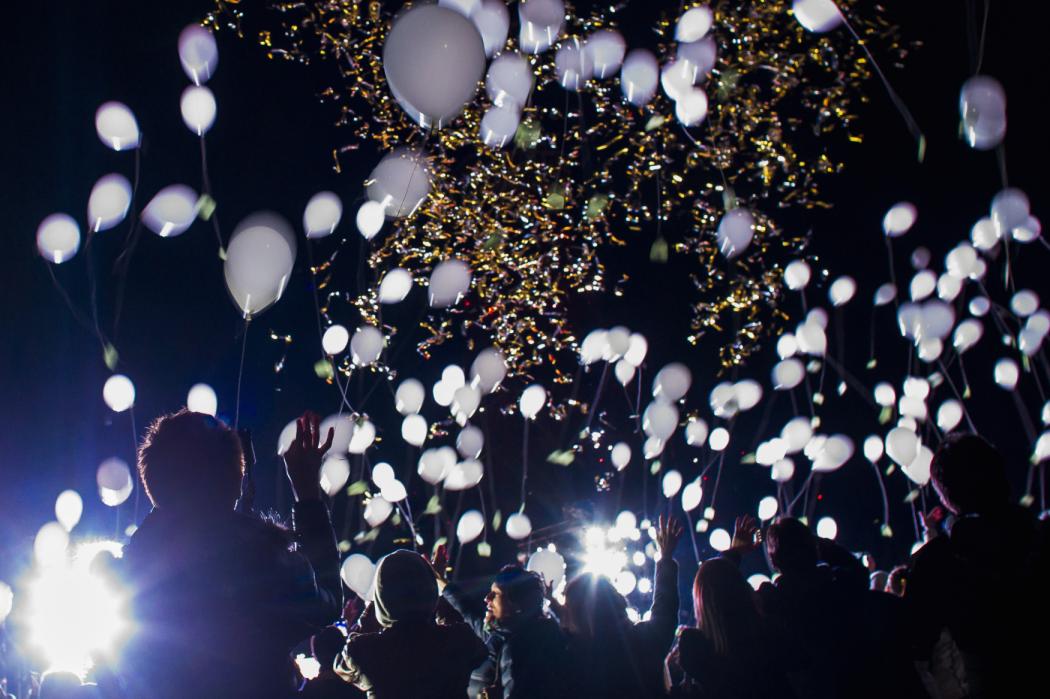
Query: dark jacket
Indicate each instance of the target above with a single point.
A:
(218, 604)
(412, 660)
(629, 662)
(526, 657)
(699, 672)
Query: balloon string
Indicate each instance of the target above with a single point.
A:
(692, 535)
(882, 491)
(597, 397)
(206, 183)
(915, 521)
(962, 402)
(93, 289)
(122, 263)
(801, 492)
(74, 311)
(343, 402)
(240, 373)
(902, 109)
(524, 461)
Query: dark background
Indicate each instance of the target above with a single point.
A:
(271, 148)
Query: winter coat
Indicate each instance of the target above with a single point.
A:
(218, 604)
(758, 674)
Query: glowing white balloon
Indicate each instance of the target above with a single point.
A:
(109, 201)
(796, 434)
(50, 545)
(885, 395)
(393, 491)
(488, 370)
(918, 470)
(377, 511)
(408, 398)
(118, 393)
(899, 219)
(58, 238)
(1028, 231)
(719, 439)
(366, 345)
(922, 285)
(362, 437)
(202, 399)
(694, 24)
(639, 76)
(700, 57)
(509, 81)
(395, 286)
(1024, 303)
(470, 526)
(660, 420)
(1040, 453)
(619, 342)
(695, 432)
(498, 126)
(470, 442)
(259, 261)
(400, 182)
(735, 231)
(532, 400)
(672, 483)
(198, 53)
(464, 474)
(967, 333)
(414, 430)
(335, 339)
(653, 447)
(783, 470)
(449, 281)
(873, 448)
(797, 275)
(541, 24)
(817, 16)
(692, 494)
(606, 49)
(572, 65)
(949, 415)
(433, 466)
(811, 339)
(383, 474)
(902, 445)
(836, 451)
(1010, 209)
(465, 402)
(787, 346)
(432, 59)
(335, 472)
(463, 7)
(720, 540)
(198, 109)
(68, 508)
(287, 436)
(636, 350)
(621, 455)
(358, 572)
(842, 290)
(767, 508)
(114, 482)
(672, 382)
(369, 219)
(1006, 374)
(624, 371)
(343, 426)
(787, 374)
(884, 294)
(519, 526)
(691, 107)
(549, 564)
(982, 105)
(322, 214)
(116, 126)
(979, 306)
(493, 22)
(827, 528)
(171, 211)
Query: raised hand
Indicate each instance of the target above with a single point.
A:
(746, 534)
(668, 531)
(302, 461)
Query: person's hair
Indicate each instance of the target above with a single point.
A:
(190, 459)
(969, 474)
(898, 580)
(593, 608)
(791, 545)
(877, 580)
(724, 605)
(58, 685)
(326, 644)
(522, 589)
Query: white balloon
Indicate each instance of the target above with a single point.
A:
(408, 398)
(465, 474)
(395, 286)
(171, 211)
(1040, 453)
(414, 429)
(672, 382)
(366, 345)
(443, 394)
(787, 374)
(672, 483)
(432, 59)
(621, 455)
(797, 275)
(433, 467)
(984, 235)
(899, 219)
(636, 350)
(949, 415)
(787, 346)
(259, 261)
(783, 470)
(541, 24)
(1028, 231)
(114, 482)
(624, 371)
(796, 434)
(660, 420)
(700, 56)
(723, 400)
(343, 426)
(961, 261)
(948, 287)
(202, 399)
(767, 508)
(836, 451)
(817, 16)
(735, 231)
(393, 491)
(116, 126)
(771, 451)
(518, 526)
(720, 540)
(69, 506)
(1024, 303)
(532, 400)
(58, 238)
(369, 219)
(470, 526)
(449, 281)
(695, 432)
(811, 339)
(284, 440)
(470, 442)
(748, 394)
(873, 448)
(676, 78)
(605, 49)
(335, 471)
(639, 76)
(618, 340)
(377, 511)
(50, 545)
(982, 105)
(719, 439)
(694, 24)
(198, 109)
(922, 285)
(109, 201)
(930, 349)
(198, 53)
(691, 107)
(967, 333)
(493, 22)
(362, 437)
(463, 7)
(400, 182)
(979, 306)
(827, 528)
(918, 470)
(842, 290)
(465, 402)
(322, 214)
(884, 294)
(902, 445)
(573, 65)
(358, 572)
(509, 81)
(1006, 374)
(488, 370)
(885, 395)
(549, 564)
(653, 447)
(498, 126)
(118, 393)
(335, 339)
(383, 474)
(595, 346)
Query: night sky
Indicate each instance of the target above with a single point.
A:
(271, 148)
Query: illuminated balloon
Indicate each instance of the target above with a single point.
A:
(470, 526)
(676, 78)
(672, 382)
(369, 219)
(335, 339)
(605, 49)
(771, 451)
(198, 109)
(818, 16)
(873, 448)
(842, 290)
(118, 393)
(498, 126)
(572, 65)
(108, 203)
(493, 23)
(58, 238)
(691, 107)
(116, 126)
(653, 447)
(464, 474)
(660, 420)
(735, 231)
(366, 345)
(884, 294)
(322, 214)
(767, 508)
(787, 346)
(811, 339)
(1024, 303)
(787, 374)
(393, 490)
(949, 415)
(621, 455)
(550, 565)
(796, 434)
(465, 402)
(672, 483)
(50, 545)
(836, 451)
(198, 53)
(694, 24)
(1028, 231)
(948, 287)
(449, 281)
(335, 471)
(783, 470)
(982, 105)
(532, 400)
(700, 57)
(636, 350)
(967, 333)
(202, 399)
(1006, 374)
(695, 432)
(395, 286)
(918, 470)
(827, 528)
(624, 371)
(979, 306)
(414, 430)
(68, 508)
(902, 445)
(171, 211)
(470, 442)
(358, 572)
(377, 511)
(400, 182)
(509, 81)
(899, 219)
(362, 437)
(797, 275)
(287, 436)
(1040, 454)
(639, 76)
(432, 59)
(922, 285)
(541, 24)
(383, 474)
(618, 340)
(259, 261)
(409, 396)
(488, 370)
(433, 466)
(720, 540)
(114, 482)
(518, 526)
(719, 439)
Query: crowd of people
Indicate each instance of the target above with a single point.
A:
(221, 598)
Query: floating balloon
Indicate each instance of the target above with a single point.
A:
(377, 511)
(465, 474)
(982, 105)
(432, 59)
(470, 526)
(498, 126)
(767, 508)
(408, 398)
(811, 339)
(653, 447)
(1028, 231)
(735, 231)
(470, 442)
(783, 471)
(572, 65)
(979, 306)
(920, 258)
(362, 437)
(918, 470)
(287, 436)
(605, 49)
(171, 211)
(695, 432)
(198, 53)
(202, 399)
(672, 483)
(827, 528)
(624, 371)
(488, 370)
(676, 78)
(50, 545)
(322, 214)
(720, 540)
(691, 107)
(700, 56)
(550, 565)
(1024, 303)
(899, 219)
(58, 238)
(518, 526)
(841, 291)
(118, 393)
(541, 24)
(395, 286)
(967, 333)
(463, 7)
(771, 451)
(884, 294)
(621, 455)
(660, 420)
(393, 490)
(949, 415)
(335, 471)
(797, 275)
(922, 285)
(618, 340)
(366, 345)
(636, 350)
(69, 506)
(493, 22)
(719, 439)
(414, 430)
(114, 482)
(787, 346)
(796, 434)
(343, 430)
(532, 400)
(985, 236)
(259, 261)
(335, 339)
(817, 16)
(873, 448)
(116, 126)
(836, 451)
(902, 445)
(1006, 374)
(108, 203)
(400, 182)
(787, 374)
(465, 402)
(449, 281)
(639, 76)
(672, 382)
(358, 572)
(509, 81)
(694, 24)
(383, 474)
(433, 466)
(198, 109)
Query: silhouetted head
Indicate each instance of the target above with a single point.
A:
(326, 644)
(515, 593)
(898, 580)
(791, 545)
(725, 609)
(593, 607)
(969, 474)
(191, 462)
(405, 588)
(59, 685)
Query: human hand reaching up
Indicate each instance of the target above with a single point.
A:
(668, 531)
(302, 461)
(747, 535)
